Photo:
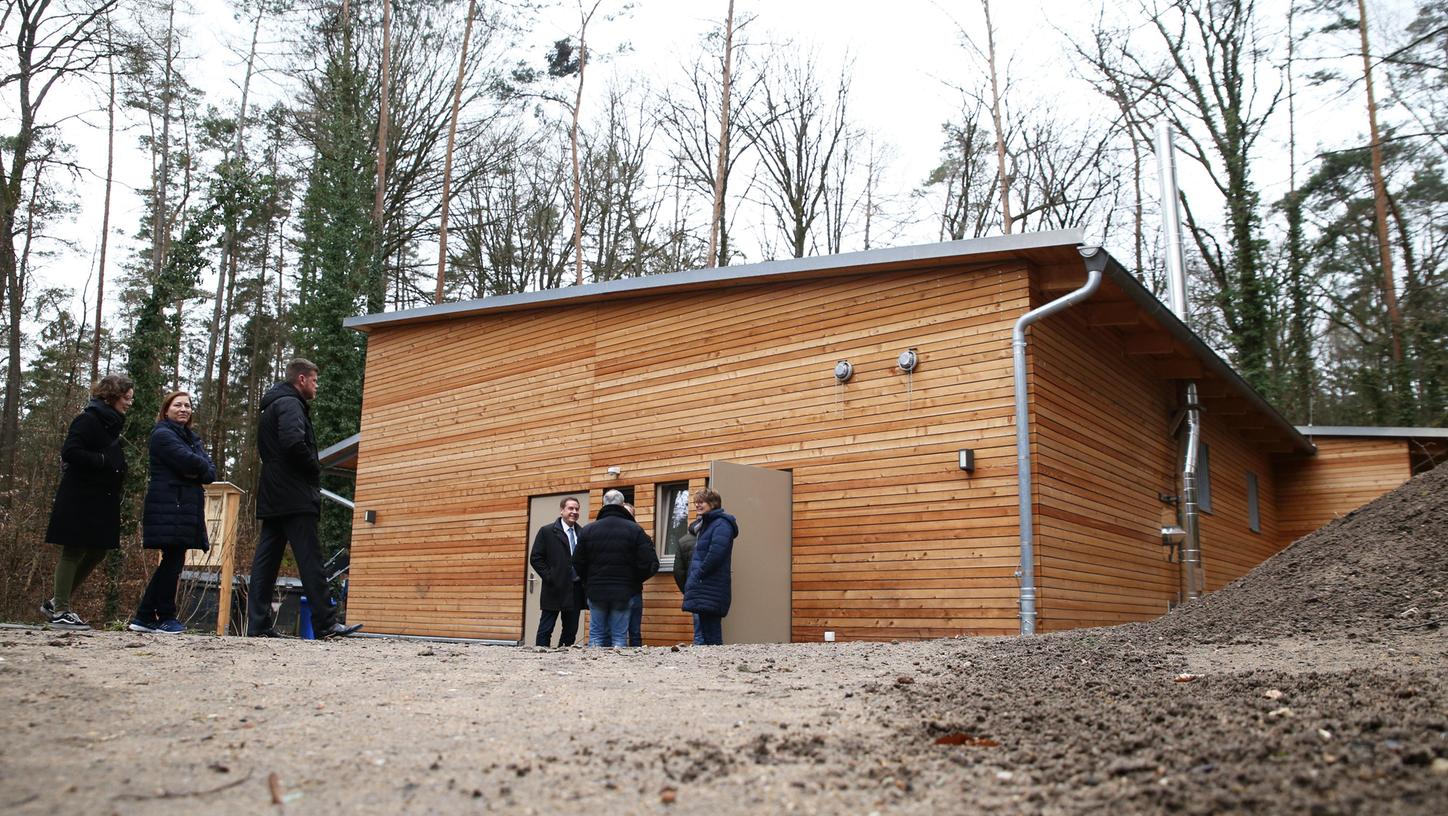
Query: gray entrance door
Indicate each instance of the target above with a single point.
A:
(760, 499)
(544, 510)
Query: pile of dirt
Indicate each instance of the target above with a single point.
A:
(1314, 682)
(1378, 570)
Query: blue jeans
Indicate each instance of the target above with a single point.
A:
(636, 620)
(608, 623)
(708, 630)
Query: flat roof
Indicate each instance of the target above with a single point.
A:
(1368, 430)
(973, 249)
(1051, 248)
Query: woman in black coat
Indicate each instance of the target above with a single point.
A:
(86, 517)
(175, 515)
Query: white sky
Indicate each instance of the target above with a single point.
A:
(905, 51)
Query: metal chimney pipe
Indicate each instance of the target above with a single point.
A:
(1176, 275)
(1192, 576)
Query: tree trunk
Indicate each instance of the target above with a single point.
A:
(452, 131)
(377, 291)
(229, 249)
(716, 219)
(995, 112)
(106, 208)
(1380, 197)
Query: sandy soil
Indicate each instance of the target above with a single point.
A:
(1319, 683)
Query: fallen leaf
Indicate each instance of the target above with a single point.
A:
(962, 738)
(274, 783)
(668, 795)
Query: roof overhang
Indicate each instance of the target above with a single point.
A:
(341, 457)
(1035, 247)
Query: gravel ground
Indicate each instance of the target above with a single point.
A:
(1315, 684)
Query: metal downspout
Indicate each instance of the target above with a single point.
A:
(1095, 259)
(1192, 583)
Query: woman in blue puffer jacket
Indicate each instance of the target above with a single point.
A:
(707, 591)
(175, 514)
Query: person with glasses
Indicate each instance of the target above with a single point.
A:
(708, 589)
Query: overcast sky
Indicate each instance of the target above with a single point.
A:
(906, 53)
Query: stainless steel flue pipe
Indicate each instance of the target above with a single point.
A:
(1192, 580)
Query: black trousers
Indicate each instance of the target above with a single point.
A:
(158, 603)
(301, 532)
(547, 618)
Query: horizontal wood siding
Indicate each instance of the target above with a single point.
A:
(1103, 454)
(1346, 473)
(463, 420)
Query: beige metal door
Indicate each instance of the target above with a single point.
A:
(543, 510)
(760, 499)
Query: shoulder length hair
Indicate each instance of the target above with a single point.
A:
(166, 406)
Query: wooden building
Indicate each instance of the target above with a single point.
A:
(858, 515)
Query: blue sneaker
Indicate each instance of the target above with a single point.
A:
(170, 627)
(138, 625)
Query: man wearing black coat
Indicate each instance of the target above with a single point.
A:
(552, 559)
(614, 557)
(289, 503)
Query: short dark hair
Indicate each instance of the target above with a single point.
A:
(299, 366)
(567, 499)
(709, 497)
(111, 388)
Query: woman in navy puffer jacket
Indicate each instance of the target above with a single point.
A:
(175, 514)
(708, 590)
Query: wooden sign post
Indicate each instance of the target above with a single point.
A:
(223, 503)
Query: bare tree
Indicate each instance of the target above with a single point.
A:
(54, 42)
(716, 212)
(1199, 65)
(691, 114)
(452, 131)
(799, 133)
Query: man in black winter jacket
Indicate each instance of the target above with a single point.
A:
(614, 557)
(289, 503)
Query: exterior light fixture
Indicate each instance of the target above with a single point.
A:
(614, 472)
(908, 360)
(844, 371)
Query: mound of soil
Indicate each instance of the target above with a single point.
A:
(1380, 569)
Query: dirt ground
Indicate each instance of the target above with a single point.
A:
(1318, 683)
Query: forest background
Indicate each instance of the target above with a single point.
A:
(528, 145)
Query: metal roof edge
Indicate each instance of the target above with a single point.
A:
(1184, 333)
(761, 271)
(1369, 430)
(341, 450)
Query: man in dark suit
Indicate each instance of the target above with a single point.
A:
(552, 559)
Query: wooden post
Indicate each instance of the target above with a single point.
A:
(223, 503)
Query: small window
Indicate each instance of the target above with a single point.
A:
(1204, 479)
(671, 518)
(1254, 511)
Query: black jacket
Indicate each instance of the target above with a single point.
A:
(175, 515)
(614, 556)
(553, 563)
(709, 588)
(87, 509)
(291, 476)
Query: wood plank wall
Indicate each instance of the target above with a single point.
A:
(463, 420)
(1103, 454)
(1346, 473)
